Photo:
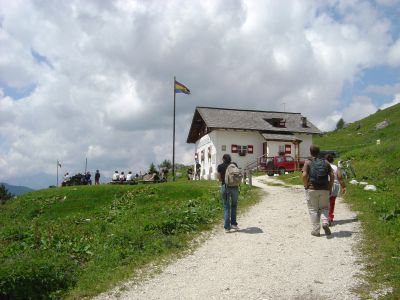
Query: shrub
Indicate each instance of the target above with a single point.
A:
(42, 278)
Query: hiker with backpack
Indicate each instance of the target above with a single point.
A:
(230, 177)
(318, 180)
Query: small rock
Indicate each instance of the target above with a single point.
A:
(363, 183)
(370, 187)
(381, 125)
(353, 181)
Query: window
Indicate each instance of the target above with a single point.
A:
(242, 148)
(277, 122)
(281, 149)
(279, 159)
(289, 158)
(223, 148)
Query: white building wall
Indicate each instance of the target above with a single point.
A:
(217, 139)
(220, 142)
(305, 144)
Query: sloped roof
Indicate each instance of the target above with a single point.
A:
(225, 118)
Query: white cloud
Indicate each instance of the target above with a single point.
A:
(386, 89)
(394, 54)
(395, 101)
(107, 91)
(360, 107)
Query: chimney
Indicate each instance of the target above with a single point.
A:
(304, 121)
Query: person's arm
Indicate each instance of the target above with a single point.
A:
(331, 177)
(341, 181)
(305, 174)
(219, 177)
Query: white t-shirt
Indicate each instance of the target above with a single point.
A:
(129, 177)
(335, 172)
(115, 176)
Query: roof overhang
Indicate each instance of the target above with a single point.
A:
(281, 137)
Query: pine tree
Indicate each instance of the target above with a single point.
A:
(166, 164)
(152, 169)
(340, 124)
(4, 194)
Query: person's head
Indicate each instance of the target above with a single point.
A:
(129, 172)
(314, 150)
(329, 157)
(97, 171)
(116, 171)
(226, 158)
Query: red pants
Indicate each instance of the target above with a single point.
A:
(332, 200)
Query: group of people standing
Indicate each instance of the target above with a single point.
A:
(79, 178)
(322, 183)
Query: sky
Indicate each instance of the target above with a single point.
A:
(94, 79)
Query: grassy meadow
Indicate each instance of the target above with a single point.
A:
(379, 211)
(76, 242)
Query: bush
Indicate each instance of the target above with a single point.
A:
(36, 279)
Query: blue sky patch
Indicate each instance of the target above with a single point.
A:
(376, 76)
(17, 93)
(41, 59)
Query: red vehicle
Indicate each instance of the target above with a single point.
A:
(281, 164)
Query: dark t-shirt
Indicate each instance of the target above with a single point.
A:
(221, 169)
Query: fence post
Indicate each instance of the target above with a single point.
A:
(250, 179)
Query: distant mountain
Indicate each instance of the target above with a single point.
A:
(16, 190)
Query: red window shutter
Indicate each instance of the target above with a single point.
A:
(250, 149)
(234, 149)
(288, 149)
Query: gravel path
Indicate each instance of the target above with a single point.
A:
(272, 256)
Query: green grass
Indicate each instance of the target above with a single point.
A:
(379, 212)
(76, 242)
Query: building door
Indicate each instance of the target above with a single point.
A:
(265, 149)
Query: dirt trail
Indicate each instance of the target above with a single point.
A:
(272, 256)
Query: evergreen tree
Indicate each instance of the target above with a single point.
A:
(166, 164)
(340, 124)
(4, 194)
(152, 169)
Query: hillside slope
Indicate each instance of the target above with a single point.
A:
(78, 241)
(377, 164)
(16, 189)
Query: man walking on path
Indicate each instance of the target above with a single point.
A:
(227, 192)
(317, 187)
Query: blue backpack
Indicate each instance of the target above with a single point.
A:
(319, 172)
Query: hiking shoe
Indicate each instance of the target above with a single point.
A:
(325, 227)
(330, 223)
(315, 233)
(227, 230)
(234, 227)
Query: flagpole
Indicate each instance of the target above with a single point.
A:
(173, 138)
(57, 173)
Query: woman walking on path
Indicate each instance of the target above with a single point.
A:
(232, 192)
(338, 182)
